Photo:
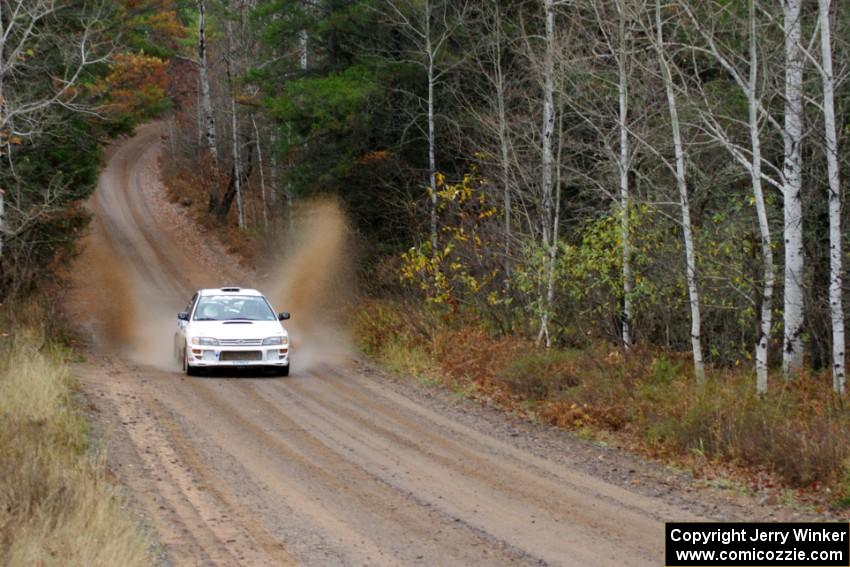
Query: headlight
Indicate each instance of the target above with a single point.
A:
(276, 341)
(206, 341)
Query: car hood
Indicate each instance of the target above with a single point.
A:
(236, 329)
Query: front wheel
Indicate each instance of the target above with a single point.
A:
(189, 370)
(282, 370)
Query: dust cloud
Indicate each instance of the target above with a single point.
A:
(314, 281)
(101, 300)
(130, 308)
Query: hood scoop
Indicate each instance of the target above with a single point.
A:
(237, 323)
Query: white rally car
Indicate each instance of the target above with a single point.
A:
(231, 327)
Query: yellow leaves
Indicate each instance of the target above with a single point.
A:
(458, 269)
(487, 213)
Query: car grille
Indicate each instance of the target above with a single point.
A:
(240, 342)
(241, 355)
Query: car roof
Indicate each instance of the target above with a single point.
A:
(230, 290)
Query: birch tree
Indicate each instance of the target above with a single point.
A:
(547, 171)
(260, 165)
(681, 184)
(833, 173)
(753, 107)
(752, 162)
(623, 166)
(792, 351)
(428, 25)
(234, 126)
(204, 83)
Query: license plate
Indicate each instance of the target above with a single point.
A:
(240, 356)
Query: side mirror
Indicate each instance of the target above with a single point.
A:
(183, 316)
(283, 316)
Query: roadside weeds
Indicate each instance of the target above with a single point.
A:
(57, 503)
(791, 441)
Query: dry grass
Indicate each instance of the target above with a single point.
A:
(796, 436)
(57, 506)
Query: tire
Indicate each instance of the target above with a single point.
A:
(282, 370)
(189, 370)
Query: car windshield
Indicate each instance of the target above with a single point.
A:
(233, 307)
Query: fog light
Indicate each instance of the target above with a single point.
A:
(196, 351)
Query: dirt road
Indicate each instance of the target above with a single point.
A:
(331, 466)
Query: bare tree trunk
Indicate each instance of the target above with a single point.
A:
(681, 183)
(792, 352)
(432, 160)
(303, 46)
(274, 173)
(234, 128)
(262, 174)
(499, 80)
(835, 247)
(763, 343)
(203, 76)
(556, 220)
(2, 220)
(546, 182)
(199, 117)
(624, 166)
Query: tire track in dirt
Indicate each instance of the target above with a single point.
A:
(479, 490)
(350, 487)
(237, 527)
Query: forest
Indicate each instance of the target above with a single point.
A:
(651, 173)
(627, 213)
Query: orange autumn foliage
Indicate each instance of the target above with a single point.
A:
(136, 84)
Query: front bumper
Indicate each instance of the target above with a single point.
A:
(232, 356)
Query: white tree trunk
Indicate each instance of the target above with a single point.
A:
(273, 168)
(761, 211)
(237, 165)
(547, 163)
(432, 159)
(792, 351)
(681, 183)
(234, 129)
(835, 248)
(623, 166)
(262, 174)
(2, 220)
(203, 77)
(303, 46)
